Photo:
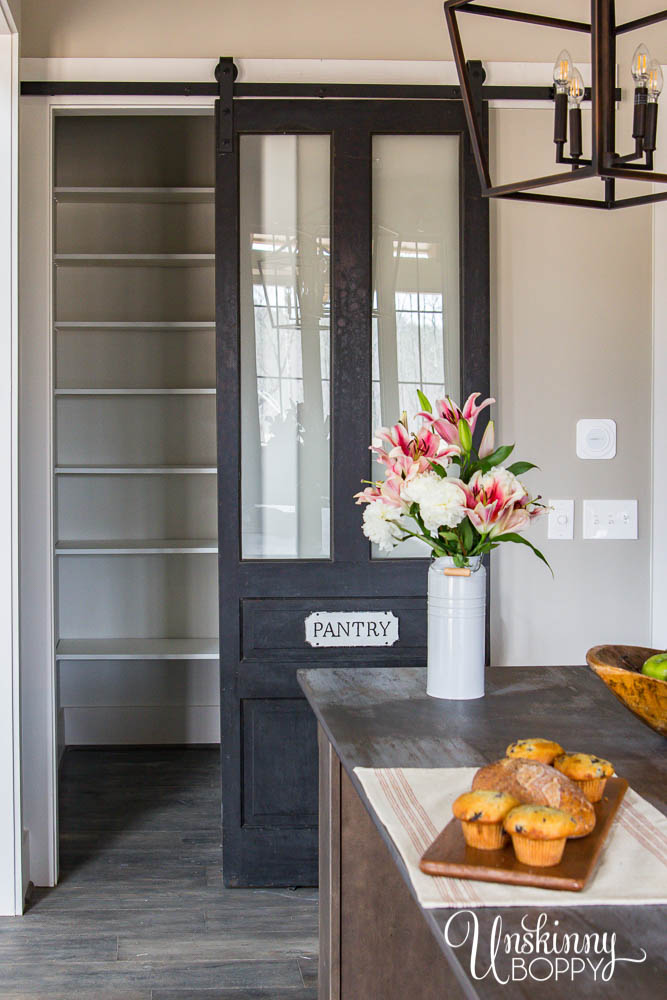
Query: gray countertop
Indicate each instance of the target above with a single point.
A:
(382, 717)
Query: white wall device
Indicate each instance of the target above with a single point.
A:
(607, 519)
(561, 520)
(596, 438)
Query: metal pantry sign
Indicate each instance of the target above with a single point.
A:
(352, 628)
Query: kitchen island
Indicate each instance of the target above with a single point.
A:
(376, 941)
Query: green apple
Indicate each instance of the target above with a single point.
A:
(656, 666)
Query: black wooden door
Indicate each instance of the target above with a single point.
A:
(269, 747)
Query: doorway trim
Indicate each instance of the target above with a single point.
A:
(38, 673)
(11, 826)
(658, 589)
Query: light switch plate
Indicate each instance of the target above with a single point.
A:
(561, 520)
(596, 438)
(610, 519)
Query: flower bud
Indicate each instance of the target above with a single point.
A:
(465, 434)
(488, 442)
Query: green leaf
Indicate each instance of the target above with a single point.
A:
(448, 536)
(438, 549)
(518, 468)
(439, 469)
(425, 402)
(497, 457)
(466, 534)
(512, 536)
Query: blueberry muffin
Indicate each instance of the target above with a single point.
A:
(538, 834)
(537, 749)
(590, 773)
(482, 814)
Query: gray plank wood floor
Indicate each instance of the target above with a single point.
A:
(140, 912)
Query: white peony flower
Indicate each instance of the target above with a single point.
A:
(441, 502)
(380, 527)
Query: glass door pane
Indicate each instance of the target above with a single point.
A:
(416, 327)
(285, 345)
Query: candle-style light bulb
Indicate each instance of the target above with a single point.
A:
(575, 95)
(641, 61)
(654, 87)
(640, 65)
(656, 81)
(576, 89)
(562, 71)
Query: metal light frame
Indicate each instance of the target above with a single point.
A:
(605, 162)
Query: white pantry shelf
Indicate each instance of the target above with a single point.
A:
(134, 466)
(137, 649)
(134, 470)
(136, 546)
(123, 195)
(120, 325)
(134, 259)
(195, 391)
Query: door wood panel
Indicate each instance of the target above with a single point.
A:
(269, 746)
(275, 628)
(279, 774)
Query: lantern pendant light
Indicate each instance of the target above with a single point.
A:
(604, 162)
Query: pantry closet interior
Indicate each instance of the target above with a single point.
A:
(134, 455)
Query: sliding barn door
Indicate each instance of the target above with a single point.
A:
(352, 269)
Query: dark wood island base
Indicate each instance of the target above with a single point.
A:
(376, 941)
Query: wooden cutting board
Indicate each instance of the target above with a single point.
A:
(450, 855)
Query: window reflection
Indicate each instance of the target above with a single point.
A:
(285, 346)
(416, 330)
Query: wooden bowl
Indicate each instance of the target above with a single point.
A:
(620, 668)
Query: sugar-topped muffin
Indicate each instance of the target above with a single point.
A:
(536, 749)
(539, 833)
(587, 770)
(482, 814)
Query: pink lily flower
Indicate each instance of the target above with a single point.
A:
(388, 492)
(445, 421)
(410, 454)
(368, 495)
(471, 410)
(497, 503)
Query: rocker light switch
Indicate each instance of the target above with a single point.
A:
(609, 519)
(561, 520)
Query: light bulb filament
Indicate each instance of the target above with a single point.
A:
(641, 62)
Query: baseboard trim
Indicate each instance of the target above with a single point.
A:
(141, 746)
(25, 864)
(148, 725)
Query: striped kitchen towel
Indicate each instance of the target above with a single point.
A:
(415, 804)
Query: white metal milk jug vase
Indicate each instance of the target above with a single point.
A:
(456, 629)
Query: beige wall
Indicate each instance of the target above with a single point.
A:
(571, 333)
(15, 7)
(571, 325)
(344, 29)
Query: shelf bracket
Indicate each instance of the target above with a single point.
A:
(225, 74)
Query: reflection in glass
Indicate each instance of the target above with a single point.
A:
(416, 329)
(285, 348)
